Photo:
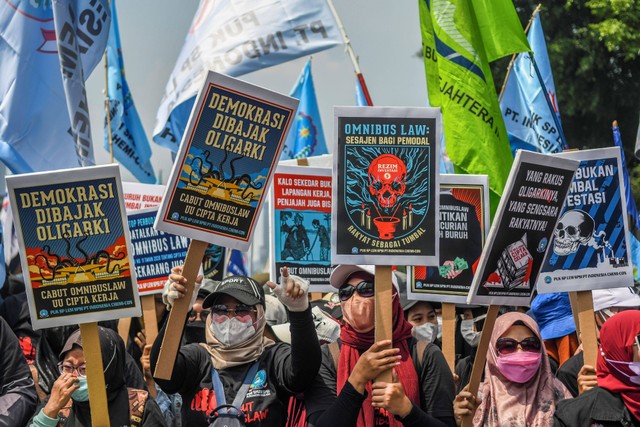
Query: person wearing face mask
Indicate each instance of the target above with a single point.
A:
(616, 400)
(422, 315)
(194, 330)
(68, 403)
(470, 331)
(237, 350)
(519, 388)
(574, 374)
(345, 394)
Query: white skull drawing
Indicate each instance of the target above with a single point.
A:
(575, 228)
(387, 176)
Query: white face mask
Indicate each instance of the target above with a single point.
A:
(425, 332)
(440, 327)
(632, 366)
(232, 331)
(468, 333)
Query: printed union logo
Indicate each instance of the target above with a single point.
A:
(547, 279)
(40, 11)
(44, 313)
(542, 245)
(354, 250)
(175, 216)
(260, 380)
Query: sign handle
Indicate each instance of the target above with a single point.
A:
(124, 325)
(481, 357)
(150, 320)
(573, 299)
(95, 374)
(178, 313)
(587, 323)
(449, 334)
(383, 326)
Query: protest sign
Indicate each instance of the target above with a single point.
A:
(300, 217)
(464, 224)
(213, 262)
(225, 163)
(524, 223)
(385, 198)
(590, 246)
(75, 247)
(141, 196)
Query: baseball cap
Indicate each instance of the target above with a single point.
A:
(275, 313)
(327, 328)
(341, 273)
(614, 297)
(208, 285)
(244, 289)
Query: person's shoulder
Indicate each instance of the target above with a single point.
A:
(580, 408)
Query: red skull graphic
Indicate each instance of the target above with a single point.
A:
(387, 176)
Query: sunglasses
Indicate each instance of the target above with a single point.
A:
(239, 310)
(203, 314)
(509, 345)
(364, 289)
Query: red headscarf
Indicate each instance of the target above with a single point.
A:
(355, 343)
(617, 336)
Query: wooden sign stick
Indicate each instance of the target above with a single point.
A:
(449, 334)
(178, 313)
(124, 324)
(95, 374)
(149, 316)
(481, 357)
(587, 327)
(383, 325)
(573, 299)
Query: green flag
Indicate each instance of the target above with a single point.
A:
(458, 39)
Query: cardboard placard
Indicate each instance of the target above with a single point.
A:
(523, 224)
(142, 196)
(74, 246)
(464, 225)
(590, 248)
(155, 253)
(300, 220)
(385, 195)
(226, 161)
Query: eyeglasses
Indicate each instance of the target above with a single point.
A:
(239, 310)
(509, 345)
(364, 289)
(203, 314)
(70, 369)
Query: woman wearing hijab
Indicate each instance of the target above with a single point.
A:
(68, 403)
(345, 394)
(519, 388)
(616, 400)
(235, 348)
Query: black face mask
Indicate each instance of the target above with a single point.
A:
(194, 332)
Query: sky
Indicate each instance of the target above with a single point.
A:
(384, 34)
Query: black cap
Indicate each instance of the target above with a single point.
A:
(208, 285)
(244, 289)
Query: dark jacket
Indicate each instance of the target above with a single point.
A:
(597, 407)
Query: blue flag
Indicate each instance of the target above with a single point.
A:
(532, 123)
(35, 130)
(632, 210)
(236, 38)
(130, 144)
(236, 264)
(306, 137)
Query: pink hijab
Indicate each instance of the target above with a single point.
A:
(505, 403)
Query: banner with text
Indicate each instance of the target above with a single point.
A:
(142, 196)
(226, 162)
(301, 224)
(155, 253)
(464, 224)
(75, 247)
(589, 248)
(527, 214)
(385, 197)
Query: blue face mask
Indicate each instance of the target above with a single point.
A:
(82, 393)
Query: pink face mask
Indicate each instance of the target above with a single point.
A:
(519, 367)
(359, 312)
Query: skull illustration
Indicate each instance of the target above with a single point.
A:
(387, 175)
(575, 228)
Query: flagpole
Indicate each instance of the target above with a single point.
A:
(513, 57)
(351, 53)
(106, 104)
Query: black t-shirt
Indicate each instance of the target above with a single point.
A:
(437, 389)
(568, 372)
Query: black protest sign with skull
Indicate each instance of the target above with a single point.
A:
(590, 248)
(385, 195)
(529, 209)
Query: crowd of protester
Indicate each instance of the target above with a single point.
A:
(258, 353)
